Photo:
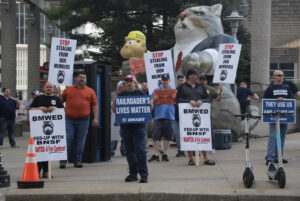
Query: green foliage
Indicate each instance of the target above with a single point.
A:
(116, 18)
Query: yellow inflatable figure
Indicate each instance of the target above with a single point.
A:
(134, 48)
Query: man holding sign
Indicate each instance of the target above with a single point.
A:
(278, 91)
(164, 115)
(134, 137)
(47, 103)
(195, 94)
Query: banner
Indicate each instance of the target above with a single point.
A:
(133, 109)
(285, 107)
(49, 133)
(158, 64)
(195, 127)
(62, 61)
(137, 66)
(165, 96)
(225, 71)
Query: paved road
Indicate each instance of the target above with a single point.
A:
(173, 180)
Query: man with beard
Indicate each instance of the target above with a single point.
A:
(195, 94)
(47, 103)
(79, 100)
(134, 137)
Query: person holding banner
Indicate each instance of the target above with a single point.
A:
(278, 91)
(134, 137)
(164, 116)
(47, 103)
(79, 101)
(195, 94)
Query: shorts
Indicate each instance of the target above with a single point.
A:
(162, 128)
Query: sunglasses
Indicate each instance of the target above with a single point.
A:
(280, 75)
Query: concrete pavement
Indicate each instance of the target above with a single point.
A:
(173, 180)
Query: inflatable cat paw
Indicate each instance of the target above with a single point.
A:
(134, 48)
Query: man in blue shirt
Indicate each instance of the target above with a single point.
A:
(164, 115)
(278, 91)
(8, 108)
(242, 94)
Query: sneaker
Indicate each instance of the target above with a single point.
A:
(165, 158)
(130, 178)
(154, 158)
(283, 161)
(62, 165)
(46, 175)
(144, 180)
(180, 154)
(78, 165)
(191, 162)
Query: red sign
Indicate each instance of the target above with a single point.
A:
(137, 66)
(165, 96)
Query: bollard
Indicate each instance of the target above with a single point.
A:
(4, 177)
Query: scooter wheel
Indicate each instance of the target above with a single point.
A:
(248, 177)
(281, 179)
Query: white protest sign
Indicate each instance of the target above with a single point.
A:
(62, 61)
(49, 133)
(158, 64)
(225, 71)
(195, 127)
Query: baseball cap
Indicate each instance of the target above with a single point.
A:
(202, 77)
(165, 77)
(129, 77)
(35, 92)
(120, 83)
(191, 72)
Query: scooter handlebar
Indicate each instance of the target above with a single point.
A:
(248, 115)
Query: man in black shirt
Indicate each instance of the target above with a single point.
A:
(195, 94)
(47, 103)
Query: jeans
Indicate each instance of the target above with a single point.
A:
(272, 143)
(9, 125)
(113, 147)
(77, 129)
(135, 143)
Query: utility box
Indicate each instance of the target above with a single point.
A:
(97, 146)
(222, 138)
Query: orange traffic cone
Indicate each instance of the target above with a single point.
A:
(30, 177)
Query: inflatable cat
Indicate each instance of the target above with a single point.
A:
(198, 33)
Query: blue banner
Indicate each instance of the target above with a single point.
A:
(286, 108)
(133, 109)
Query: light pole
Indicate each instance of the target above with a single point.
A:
(234, 19)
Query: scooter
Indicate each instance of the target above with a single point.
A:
(277, 174)
(248, 175)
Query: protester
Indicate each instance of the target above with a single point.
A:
(164, 115)
(115, 128)
(278, 91)
(212, 94)
(195, 94)
(8, 106)
(79, 100)
(34, 94)
(180, 81)
(145, 88)
(134, 137)
(242, 95)
(47, 103)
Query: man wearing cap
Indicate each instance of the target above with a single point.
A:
(134, 137)
(47, 103)
(164, 115)
(8, 106)
(34, 94)
(195, 94)
(115, 128)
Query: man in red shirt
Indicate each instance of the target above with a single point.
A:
(79, 99)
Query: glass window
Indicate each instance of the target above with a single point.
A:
(289, 66)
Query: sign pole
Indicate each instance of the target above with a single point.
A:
(197, 160)
(49, 170)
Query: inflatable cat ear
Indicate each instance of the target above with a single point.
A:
(216, 9)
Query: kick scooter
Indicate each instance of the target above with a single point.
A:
(248, 175)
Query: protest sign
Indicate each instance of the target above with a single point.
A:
(158, 64)
(286, 108)
(165, 96)
(62, 61)
(49, 133)
(137, 66)
(133, 109)
(195, 127)
(225, 71)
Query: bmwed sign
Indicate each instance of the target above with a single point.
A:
(133, 109)
(285, 107)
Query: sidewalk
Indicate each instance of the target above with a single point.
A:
(173, 180)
